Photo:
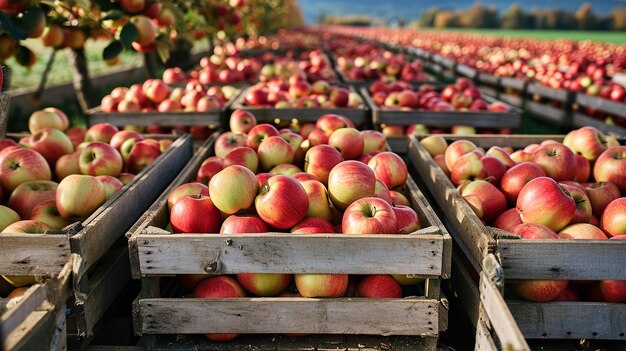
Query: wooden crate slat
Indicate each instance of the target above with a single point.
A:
(550, 93)
(33, 254)
(211, 117)
(561, 259)
(513, 83)
(605, 105)
(570, 320)
(547, 112)
(484, 340)
(580, 120)
(409, 316)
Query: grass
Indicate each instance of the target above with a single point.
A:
(615, 37)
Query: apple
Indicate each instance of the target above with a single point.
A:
(398, 198)
(101, 132)
(542, 200)
(583, 205)
(611, 167)
(495, 169)
(287, 169)
(142, 155)
(502, 155)
(20, 166)
(273, 151)
(408, 220)
(540, 290)
(379, 286)
(369, 215)
(487, 201)
(228, 141)
(243, 156)
(319, 160)
(264, 284)
(76, 135)
(4, 143)
(219, 287)
(120, 137)
(434, 145)
(193, 188)
(282, 202)
(339, 97)
(331, 122)
(27, 195)
(78, 196)
(468, 167)
(321, 285)
(514, 179)
(389, 168)
(146, 33)
(237, 224)
(534, 231)
(589, 142)
(348, 141)
(26, 227)
(557, 160)
(521, 156)
(600, 195)
(349, 181)
(508, 220)
(234, 188)
(259, 133)
(125, 178)
(317, 137)
(242, 121)
(381, 191)
(133, 6)
(7, 217)
(582, 231)
(568, 294)
(46, 212)
(302, 176)
(49, 117)
(155, 90)
(319, 203)
(111, 185)
(195, 214)
(613, 220)
(98, 158)
(457, 149)
(313, 225)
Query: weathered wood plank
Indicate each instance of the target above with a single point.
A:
(581, 120)
(484, 341)
(288, 253)
(16, 315)
(409, 316)
(211, 117)
(465, 289)
(516, 141)
(547, 113)
(33, 254)
(560, 259)
(605, 105)
(570, 320)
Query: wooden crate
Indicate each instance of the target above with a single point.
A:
(513, 91)
(467, 72)
(611, 108)
(425, 253)
(361, 116)
(560, 116)
(488, 84)
(531, 259)
(37, 321)
(89, 242)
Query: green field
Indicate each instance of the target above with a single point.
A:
(601, 36)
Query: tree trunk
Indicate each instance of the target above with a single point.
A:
(152, 63)
(82, 82)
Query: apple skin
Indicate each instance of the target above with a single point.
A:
(389, 168)
(49, 117)
(613, 220)
(582, 231)
(120, 137)
(195, 214)
(495, 169)
(468, 167)
(583, 169)
(228, 141)
(274, 151)
(111, 185)
(233, 189)
(321, 285)
(557, 160)
(243, 156)
(589, 142)
(142, 155)
(331, 122)
(259, 133)
(238, 224)
(193, 188)
(320, 160)
(26, 227)
(373, 140)
(313, 225)
(600, 195)
(568, 294)
(583, 205)
(540, 290)
(502, 155)
(514, 179)
(484, 199)
(369, 215)
(282, 202)
(303, 176)
(209, 167)
(7, 216)
(28, 195)
(543, 201)
(242, 121)
(611, 167)
(407, 218)
(319, 202)
(534, 231)
(78, 196)
(434, 145)
(397, 198)
(219, 287)
(66, 165)
(47, 212)
(98, 158)
(102, 132)
(264, 284)
(286, 169)
(51, 144)
(349, 181)
(348, 141)
(457, 149)
(379, 286)
(508, 220)
(22, 165)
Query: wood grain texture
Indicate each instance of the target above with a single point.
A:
(409, 316)
(33, 254)
(4, 113)
(212, 117)
(580, 120)
(613, 108)
(484, 340)
(570, 320)
(465, 289)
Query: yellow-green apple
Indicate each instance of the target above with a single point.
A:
(398, 198)
(209, 167)
(274, 151)
(101, 132)
(379, 286)
(611, 167)
(155, 90)
(234, 188)
(583, 205)
(348, 141)
(407, 218)
(389, 168)
(500, 154)
(264, 284)
(542, 200)
(392, 130)
(219, 287)
(47, 212)
(514, 179)
(313, 225)
(259, 133)
(287, 169)
(589, 142)
(142, 155)
(237, 224)
(349, 181)
(484, 199)
(120, 137)
(582, 231)
(495, 169)
(26, 227)
(165, 144)
(373, 140)
(228, 141)
(467, 168)
(193, 188)
(125, 178)
(381, 191)
(319, 203)
(7, 216)
(534, 231)
(27, 195)
(434, 145)
(508, 220)
(78, 196)
(49, 117)
(463, 130)
(321, 285)
(111, 185)
(600, 195)
(243, 156)
(241, 121)
(557, 160)
(369, 215)
(128, 106)
(520, 156)
(146, 31)
(51, 144)
(320, 160)
(195, 214)
(98, 158)
(20, 166)
(331, 122)
(457, 149)
(282, 202)
(613, 220)
(320, 87)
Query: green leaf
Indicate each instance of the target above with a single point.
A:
(112, 50)
(163, 48)
(113, 15)
(128, 34)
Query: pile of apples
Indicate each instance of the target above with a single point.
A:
(315, 66)
(298, 92)
(327, 179)
(570, 190)
(372, 63)
(154, 95)
(218, 69)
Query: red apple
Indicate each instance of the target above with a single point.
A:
(557, 160)
(111, 185)
(219, 287)
(29, 194)
(46, 212)
(101, 132)
(142, 155)
(613, 220)
(195, 214)
(228, 141)
(389, 168)
(348, 141)
(20, 166)
(241, 121)
(534, 231)
(600, 195)
(373, 140)
(508, 220)
(274, 151)
(320, 160)
(468, 167)
(313, 225)
(484, 199)
(369, 215)
(282, 202)
(514, 179)
(243, 156)
(582, 231)
(379, 286)
(540, 290)
(194, 188)
(589, 142)
(408, 220)
(434, 145)
(98, 158)
(349, 181)
(457, 149)
(27, 227)
(238, 224)
(583, 205)
(259, 133)
(542, 200)
(319, 202)
(611, 167)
